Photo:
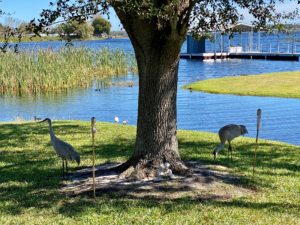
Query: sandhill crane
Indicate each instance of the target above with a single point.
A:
(228, 133)
(116, 119)
(64, 150)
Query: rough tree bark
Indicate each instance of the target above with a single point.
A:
(157, 53)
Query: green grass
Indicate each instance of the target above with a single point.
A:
(30, 177)
(14, 40)
(47, 70)
(279, 84)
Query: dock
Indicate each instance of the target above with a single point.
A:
(205, 56)
(242, 55)
(266, 55)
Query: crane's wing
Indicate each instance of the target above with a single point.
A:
(66, 151)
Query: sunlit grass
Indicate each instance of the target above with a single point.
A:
(47, 70)
(30, 176)
(15, 40)
(279, 84)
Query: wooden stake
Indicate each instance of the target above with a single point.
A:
(256, 140)
(93, 125)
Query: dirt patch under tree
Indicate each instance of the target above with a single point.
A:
(204, 182)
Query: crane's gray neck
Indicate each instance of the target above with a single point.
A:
(52, 136)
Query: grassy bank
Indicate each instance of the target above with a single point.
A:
(47, 70)
(280, 84)
(30, 178)
(14, 40)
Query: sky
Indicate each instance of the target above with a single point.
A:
(25, 10)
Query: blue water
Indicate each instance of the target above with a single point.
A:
(196, 110)
(260, 42)
(114, 44)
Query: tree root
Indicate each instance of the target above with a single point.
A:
(143, 167)
(147, 166)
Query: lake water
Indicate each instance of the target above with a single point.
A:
(196, 110)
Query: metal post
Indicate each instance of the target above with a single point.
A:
(221, 43)
(240, 36)
(251, 40)
(215, 37)
(259, 47)
(256, 140)
(93, 126)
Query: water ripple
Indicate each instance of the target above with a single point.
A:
(196, 110)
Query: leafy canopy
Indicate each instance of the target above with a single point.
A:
(76, 29)
(199, 17)
(101, 25)
(202, 16)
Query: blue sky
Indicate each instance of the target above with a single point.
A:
(25, 10)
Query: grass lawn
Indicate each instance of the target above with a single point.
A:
(30, 177)
(279, 84)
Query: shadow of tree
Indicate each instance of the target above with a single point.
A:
(119, 204)
(268, 155)
(31, 172)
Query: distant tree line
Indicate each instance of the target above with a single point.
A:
(99, 27)
(74, 29)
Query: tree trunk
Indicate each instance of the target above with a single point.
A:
(157, 53)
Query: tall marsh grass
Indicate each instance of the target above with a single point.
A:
(47, 70)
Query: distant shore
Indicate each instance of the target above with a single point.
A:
(57, 38)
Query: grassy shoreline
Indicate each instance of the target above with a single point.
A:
(30, 177)
(49, 70)
(13, 41)
(279, 84)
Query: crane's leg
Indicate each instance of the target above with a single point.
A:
(215, 154)
(67, 167)
(230, 149)
(63, 169)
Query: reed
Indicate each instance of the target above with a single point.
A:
(48, 70)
